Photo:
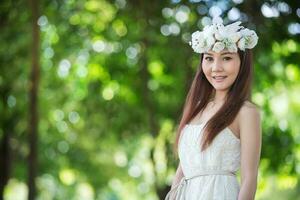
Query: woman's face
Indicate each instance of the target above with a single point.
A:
(221, 69)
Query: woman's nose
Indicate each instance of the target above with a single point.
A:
(217, 66)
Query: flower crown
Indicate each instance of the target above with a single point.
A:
(217, 37)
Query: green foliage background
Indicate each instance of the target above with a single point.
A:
(113, 83)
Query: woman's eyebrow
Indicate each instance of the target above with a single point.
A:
(221, 53)
(226, 53)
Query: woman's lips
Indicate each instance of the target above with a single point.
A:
(219, 78)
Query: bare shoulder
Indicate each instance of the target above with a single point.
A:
(249, 104)
(249, 109)
(249, 116)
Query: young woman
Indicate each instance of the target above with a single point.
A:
(220, 129)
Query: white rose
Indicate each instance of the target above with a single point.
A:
(209, 30)
(234, 37)
(241, 44)
(245, 32)
(198, 41)
(210, 40)
(232, 47)
(218, 47)
(197, 48)
(250, 38)
(198, 38)
(205, 49)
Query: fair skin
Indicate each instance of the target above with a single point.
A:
(246, 126)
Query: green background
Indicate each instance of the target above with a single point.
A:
(113, 79)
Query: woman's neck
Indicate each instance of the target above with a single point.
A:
(219, 97)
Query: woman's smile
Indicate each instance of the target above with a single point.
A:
(219, 79)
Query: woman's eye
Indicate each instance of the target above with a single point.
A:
(227, 58)
(208, 58)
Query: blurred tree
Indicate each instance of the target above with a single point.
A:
(114, 75)
(33, 101)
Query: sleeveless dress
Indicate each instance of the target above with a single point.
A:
(211, 174)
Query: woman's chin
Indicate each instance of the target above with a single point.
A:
(221, 88)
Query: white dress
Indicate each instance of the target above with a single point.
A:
(208, 175)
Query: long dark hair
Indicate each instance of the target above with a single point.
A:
(201, 92)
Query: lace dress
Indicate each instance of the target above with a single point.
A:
(208, 175)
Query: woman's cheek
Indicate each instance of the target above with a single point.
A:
(207, 75)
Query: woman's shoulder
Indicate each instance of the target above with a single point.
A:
(249, 110)
(250, 105)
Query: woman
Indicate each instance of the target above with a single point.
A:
(220, 129)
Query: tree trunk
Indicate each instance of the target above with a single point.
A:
(4, 163)
(5, 153)
(33, 103)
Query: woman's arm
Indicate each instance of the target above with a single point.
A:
(250, 135)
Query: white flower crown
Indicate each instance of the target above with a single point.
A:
(217, 37)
